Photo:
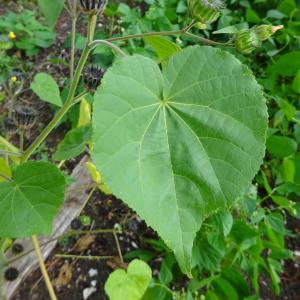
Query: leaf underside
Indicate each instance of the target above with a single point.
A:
(178, 145)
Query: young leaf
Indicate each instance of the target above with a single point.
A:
(188, 141)
(162, 46)
(46, 88)
(281, 146)
(74, 143)
(31, 200)
(130, 285)
(51, 10)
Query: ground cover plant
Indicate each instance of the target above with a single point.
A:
(172, 102)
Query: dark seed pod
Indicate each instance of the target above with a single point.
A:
(92, 76)
(76, 224)
(25, 117)
(93, 6)
(9, 125)
(17, 248)
(11, 274)
(205, 11)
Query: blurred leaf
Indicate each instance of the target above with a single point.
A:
(51, 10)
(281, 146)
(276, 222)
(98, 178)
(46, 88)
(85, 112)
(4, 169)
(296, 83)
(163, 47)
(74, 143)
(225, 289)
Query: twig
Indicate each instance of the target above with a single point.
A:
(89, 257)
(118, 247)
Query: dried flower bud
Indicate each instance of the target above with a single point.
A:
(92, 76)
(25, 117)
(247, 41)
(17, 248)
(93, 6)
(205, 11)
(265, 31)
(9, 125)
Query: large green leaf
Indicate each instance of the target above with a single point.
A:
(30, 201)
(179, 145)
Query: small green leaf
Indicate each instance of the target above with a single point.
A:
(296, 83)
(287, 65)
(130, 285)
(276, 222)
(31, 200)
(73, 144)
(85, 112)
(4, 169)
(46, 88)
(224, 289)
(281, 146)
(163, 47)
(51, 10)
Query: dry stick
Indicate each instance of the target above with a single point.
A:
(43, 268)
(118, 247)
(70, 233)
(86, 200)
(88, 257)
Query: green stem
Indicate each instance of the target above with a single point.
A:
(109, 44)
(67, 105)
(73, 34)
(10, 153)
(43, 268)
(21, 140)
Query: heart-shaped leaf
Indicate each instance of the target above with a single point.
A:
(130, 285)
(178, 146)
(31, 200)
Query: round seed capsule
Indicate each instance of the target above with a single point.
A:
(17, 248)
(11, 274)
(25, 117)
(76, 224)
(93, 6)
(9, 125)
(92, 76)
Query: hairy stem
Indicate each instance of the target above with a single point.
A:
(43, 268)
(68, 103)
(73, 35)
